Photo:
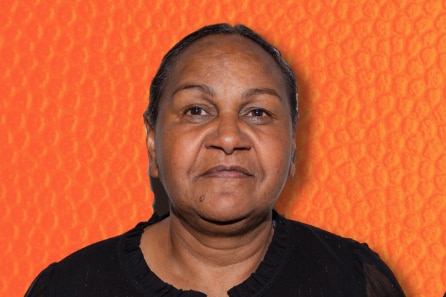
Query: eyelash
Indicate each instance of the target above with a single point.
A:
(259, 110)
(192, 109)
(254, 115)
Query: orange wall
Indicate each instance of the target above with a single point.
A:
(371, 161)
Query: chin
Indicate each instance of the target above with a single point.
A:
(224, 210)
(233, 222)
(223, 220)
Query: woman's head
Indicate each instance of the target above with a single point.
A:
(223, 141)
(159, 81)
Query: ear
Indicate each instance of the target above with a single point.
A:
(151, 149)
(292, 170)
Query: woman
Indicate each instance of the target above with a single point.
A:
(221, 139)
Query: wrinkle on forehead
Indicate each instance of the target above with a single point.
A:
(227, 49)
(208, 56)
(225, 45)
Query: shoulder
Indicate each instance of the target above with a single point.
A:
(78, 267)
(319, 241)
(95, 256)
(97, 265)
(322, 241)
(308, 234)
(344, 259)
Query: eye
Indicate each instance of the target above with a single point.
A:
(258, 116)
(195, 111)
(258, 112)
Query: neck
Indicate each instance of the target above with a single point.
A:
(202, 261)
(220, 249)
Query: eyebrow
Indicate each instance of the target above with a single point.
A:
(205, 89)
(260, 91)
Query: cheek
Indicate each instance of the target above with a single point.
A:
(176, 154)
(276, 150)
(279, 162)
(276, 160)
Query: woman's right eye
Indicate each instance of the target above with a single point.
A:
(195, 111)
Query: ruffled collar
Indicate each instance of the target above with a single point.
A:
(151, 285)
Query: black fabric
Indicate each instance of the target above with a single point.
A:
(301, 261)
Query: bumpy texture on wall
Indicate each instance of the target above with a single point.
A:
(372, 154)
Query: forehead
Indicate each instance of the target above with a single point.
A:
(221, 44)
(221, 50)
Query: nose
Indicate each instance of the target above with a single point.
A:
(228, 135)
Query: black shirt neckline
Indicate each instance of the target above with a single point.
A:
(151, 285)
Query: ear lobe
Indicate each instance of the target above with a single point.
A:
(292, 170)
(292, 163)
(151, 149)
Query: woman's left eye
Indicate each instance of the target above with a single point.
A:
(258, 112)
(258, 116)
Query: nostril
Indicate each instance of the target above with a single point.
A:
(228, 136)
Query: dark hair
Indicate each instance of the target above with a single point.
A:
(158, 82)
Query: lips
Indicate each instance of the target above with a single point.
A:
(222, 171)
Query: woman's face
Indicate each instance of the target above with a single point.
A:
(223, 141)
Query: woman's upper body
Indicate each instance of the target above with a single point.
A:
(221, 139)
(301, 261)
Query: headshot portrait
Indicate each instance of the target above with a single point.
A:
(231, 149)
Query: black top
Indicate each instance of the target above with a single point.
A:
(301, 261)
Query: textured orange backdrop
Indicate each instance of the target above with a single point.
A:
(372, 154)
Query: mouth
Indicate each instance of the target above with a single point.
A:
(222, 171)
